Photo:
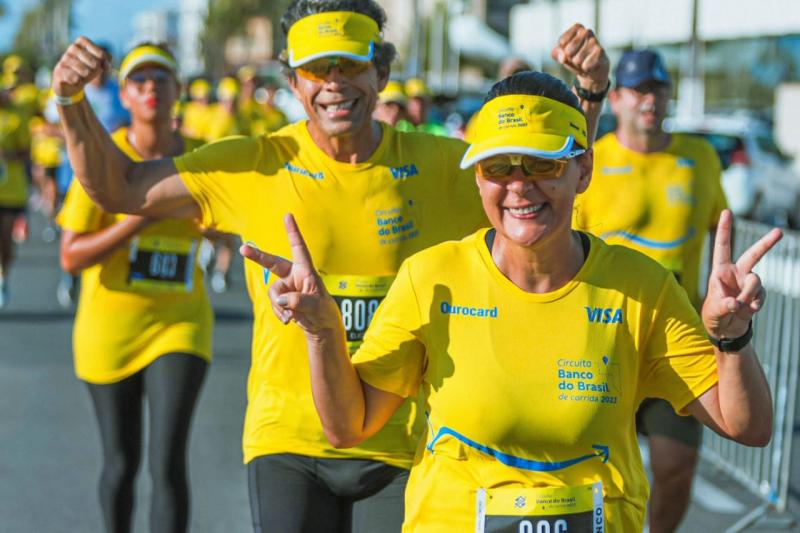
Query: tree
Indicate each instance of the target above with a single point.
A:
(44, 32)
(228, 18)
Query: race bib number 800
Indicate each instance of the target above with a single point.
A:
(358, 298)
(541, 510)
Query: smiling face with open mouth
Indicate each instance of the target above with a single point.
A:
(529, 211)
(339, 105)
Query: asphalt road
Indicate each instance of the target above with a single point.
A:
(50, 453)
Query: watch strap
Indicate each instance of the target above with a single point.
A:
(589, 96)
(733, 345)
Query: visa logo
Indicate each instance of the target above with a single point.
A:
(604, 315)
(404, 171)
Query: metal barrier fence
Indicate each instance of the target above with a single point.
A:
(765, 471)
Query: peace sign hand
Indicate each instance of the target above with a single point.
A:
(735, 293)
(299, 293)
(581, 53)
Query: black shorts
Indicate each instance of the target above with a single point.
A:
(657, 417)
(298, 494)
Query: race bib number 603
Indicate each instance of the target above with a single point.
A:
(358, 298)
(161, 264)
(541, 510)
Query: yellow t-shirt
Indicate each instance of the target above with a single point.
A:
(257, 119)
(548, 384)
(359, 221)
(145, 300)
(14, 137)
(195, 119)
(660, 203)
(219, 123)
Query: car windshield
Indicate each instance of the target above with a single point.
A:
(725, 145)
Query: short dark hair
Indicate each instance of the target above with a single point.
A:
(537, 84)
(385, 52)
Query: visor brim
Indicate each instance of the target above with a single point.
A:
(540, 145)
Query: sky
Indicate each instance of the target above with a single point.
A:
(105, 20)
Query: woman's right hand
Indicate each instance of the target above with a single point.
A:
(81, 63)
(299, 293)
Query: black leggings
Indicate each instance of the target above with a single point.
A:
(171, 384)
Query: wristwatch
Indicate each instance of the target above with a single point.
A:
(589, 96)
(733, 345)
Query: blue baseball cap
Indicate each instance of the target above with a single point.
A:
(640, 66)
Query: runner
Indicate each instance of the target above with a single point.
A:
(418, 105)
(14, 152)
(659, 194)
(391, 106)
(195, 112)
(370, 197)
(257, 113)
(533, 344)
(143, 325)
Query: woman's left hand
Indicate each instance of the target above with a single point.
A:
(735, 292)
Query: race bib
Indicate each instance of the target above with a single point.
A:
(358, 297)
(541, 510)
(164, 264)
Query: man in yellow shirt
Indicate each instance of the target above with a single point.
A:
(659, 194)
(369, 197)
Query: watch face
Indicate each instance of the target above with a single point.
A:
(586, 94)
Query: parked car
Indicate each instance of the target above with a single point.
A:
(758, 179)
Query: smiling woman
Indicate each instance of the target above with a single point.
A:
(143, 325)
(537, 404)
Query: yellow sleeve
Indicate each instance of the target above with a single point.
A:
(463, 191)
(219, 177)
(79, 213)
(392, 356)
(678, 364)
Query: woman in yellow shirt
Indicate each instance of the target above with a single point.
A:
(531, 343)
(143, 324)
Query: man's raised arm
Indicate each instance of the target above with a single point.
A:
(112, 179)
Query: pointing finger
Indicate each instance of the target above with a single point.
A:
(300, 253)
(276, 264)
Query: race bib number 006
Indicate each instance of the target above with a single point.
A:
(161, 264)
(358, 298)
(541, 510)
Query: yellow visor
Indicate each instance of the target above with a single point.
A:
(333, 33)
(199, 88)
(393, 93)
(528, 125)
(146, 55)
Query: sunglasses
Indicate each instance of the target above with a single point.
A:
(536, 168)
(319, 69)
(157, 76)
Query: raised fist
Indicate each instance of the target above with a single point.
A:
(82, 62)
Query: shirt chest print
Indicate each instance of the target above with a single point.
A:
(585, 379)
